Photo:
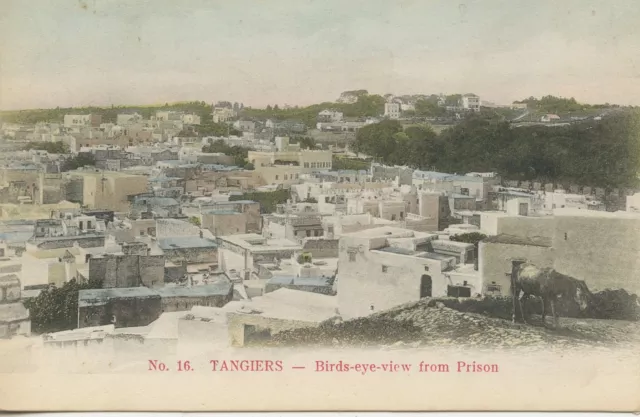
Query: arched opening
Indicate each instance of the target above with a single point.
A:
(425, 286)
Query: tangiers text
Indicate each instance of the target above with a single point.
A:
(246, 365)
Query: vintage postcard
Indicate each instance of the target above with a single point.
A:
(331, 205)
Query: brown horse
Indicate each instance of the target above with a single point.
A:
(548, 285)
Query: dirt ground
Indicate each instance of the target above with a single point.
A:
(444, 326)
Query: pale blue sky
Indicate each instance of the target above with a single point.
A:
(101, 52)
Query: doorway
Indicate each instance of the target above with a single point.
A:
(426, 285)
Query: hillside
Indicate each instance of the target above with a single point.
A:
(431, 323)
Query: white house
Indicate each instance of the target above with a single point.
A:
(392, 110)
(384, 267)
(330, 116)
(470, 102)
(547, 118)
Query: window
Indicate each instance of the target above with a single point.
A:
(494, 288)
(285, 177)
(141, 232)
(426, 268)
(352, 256)
(276, 177)
(401, 215)
(393, 217)
(458, 291)
(385, 268)
(308, 233)
(565, 236)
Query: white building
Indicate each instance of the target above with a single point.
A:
(407, 107)
(330, 116)
(470, 102)
(392, 110)
(562, 199)
(82, 120)
(384, 267)
(223, 114)
(548, 118)
(633, 203)
(598, 247)
(123, 119)
(190, 119)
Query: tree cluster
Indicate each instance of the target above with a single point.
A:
(340, 163)
(603, 153)
(388, 142)
(51, 147)
(109, 114)
(81, 160)
(268, 200)
(56, 309)
(238, 153)
(305, 142)
(365, 106)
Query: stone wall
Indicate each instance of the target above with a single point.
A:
(123, 271)
(129, 312)
(495, 262)
(172, 228)
(186, 303)
(322, 248)
(237, 326)
(192, 255)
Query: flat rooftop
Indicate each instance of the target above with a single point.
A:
(257, 243)
(517, 240)
(384, 231)
(103, 295)
(222, 287)
(186, 242)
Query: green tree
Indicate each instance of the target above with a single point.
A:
(238, 153)
(429, 107)
(195, 221)
(304, 258)
(51, 147)
(304, 141)
(78, 161)
(378, 139)
(340, 163)
(56, 309)
(268, 199)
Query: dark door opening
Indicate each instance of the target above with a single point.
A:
(425, 286)
(253, 334)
